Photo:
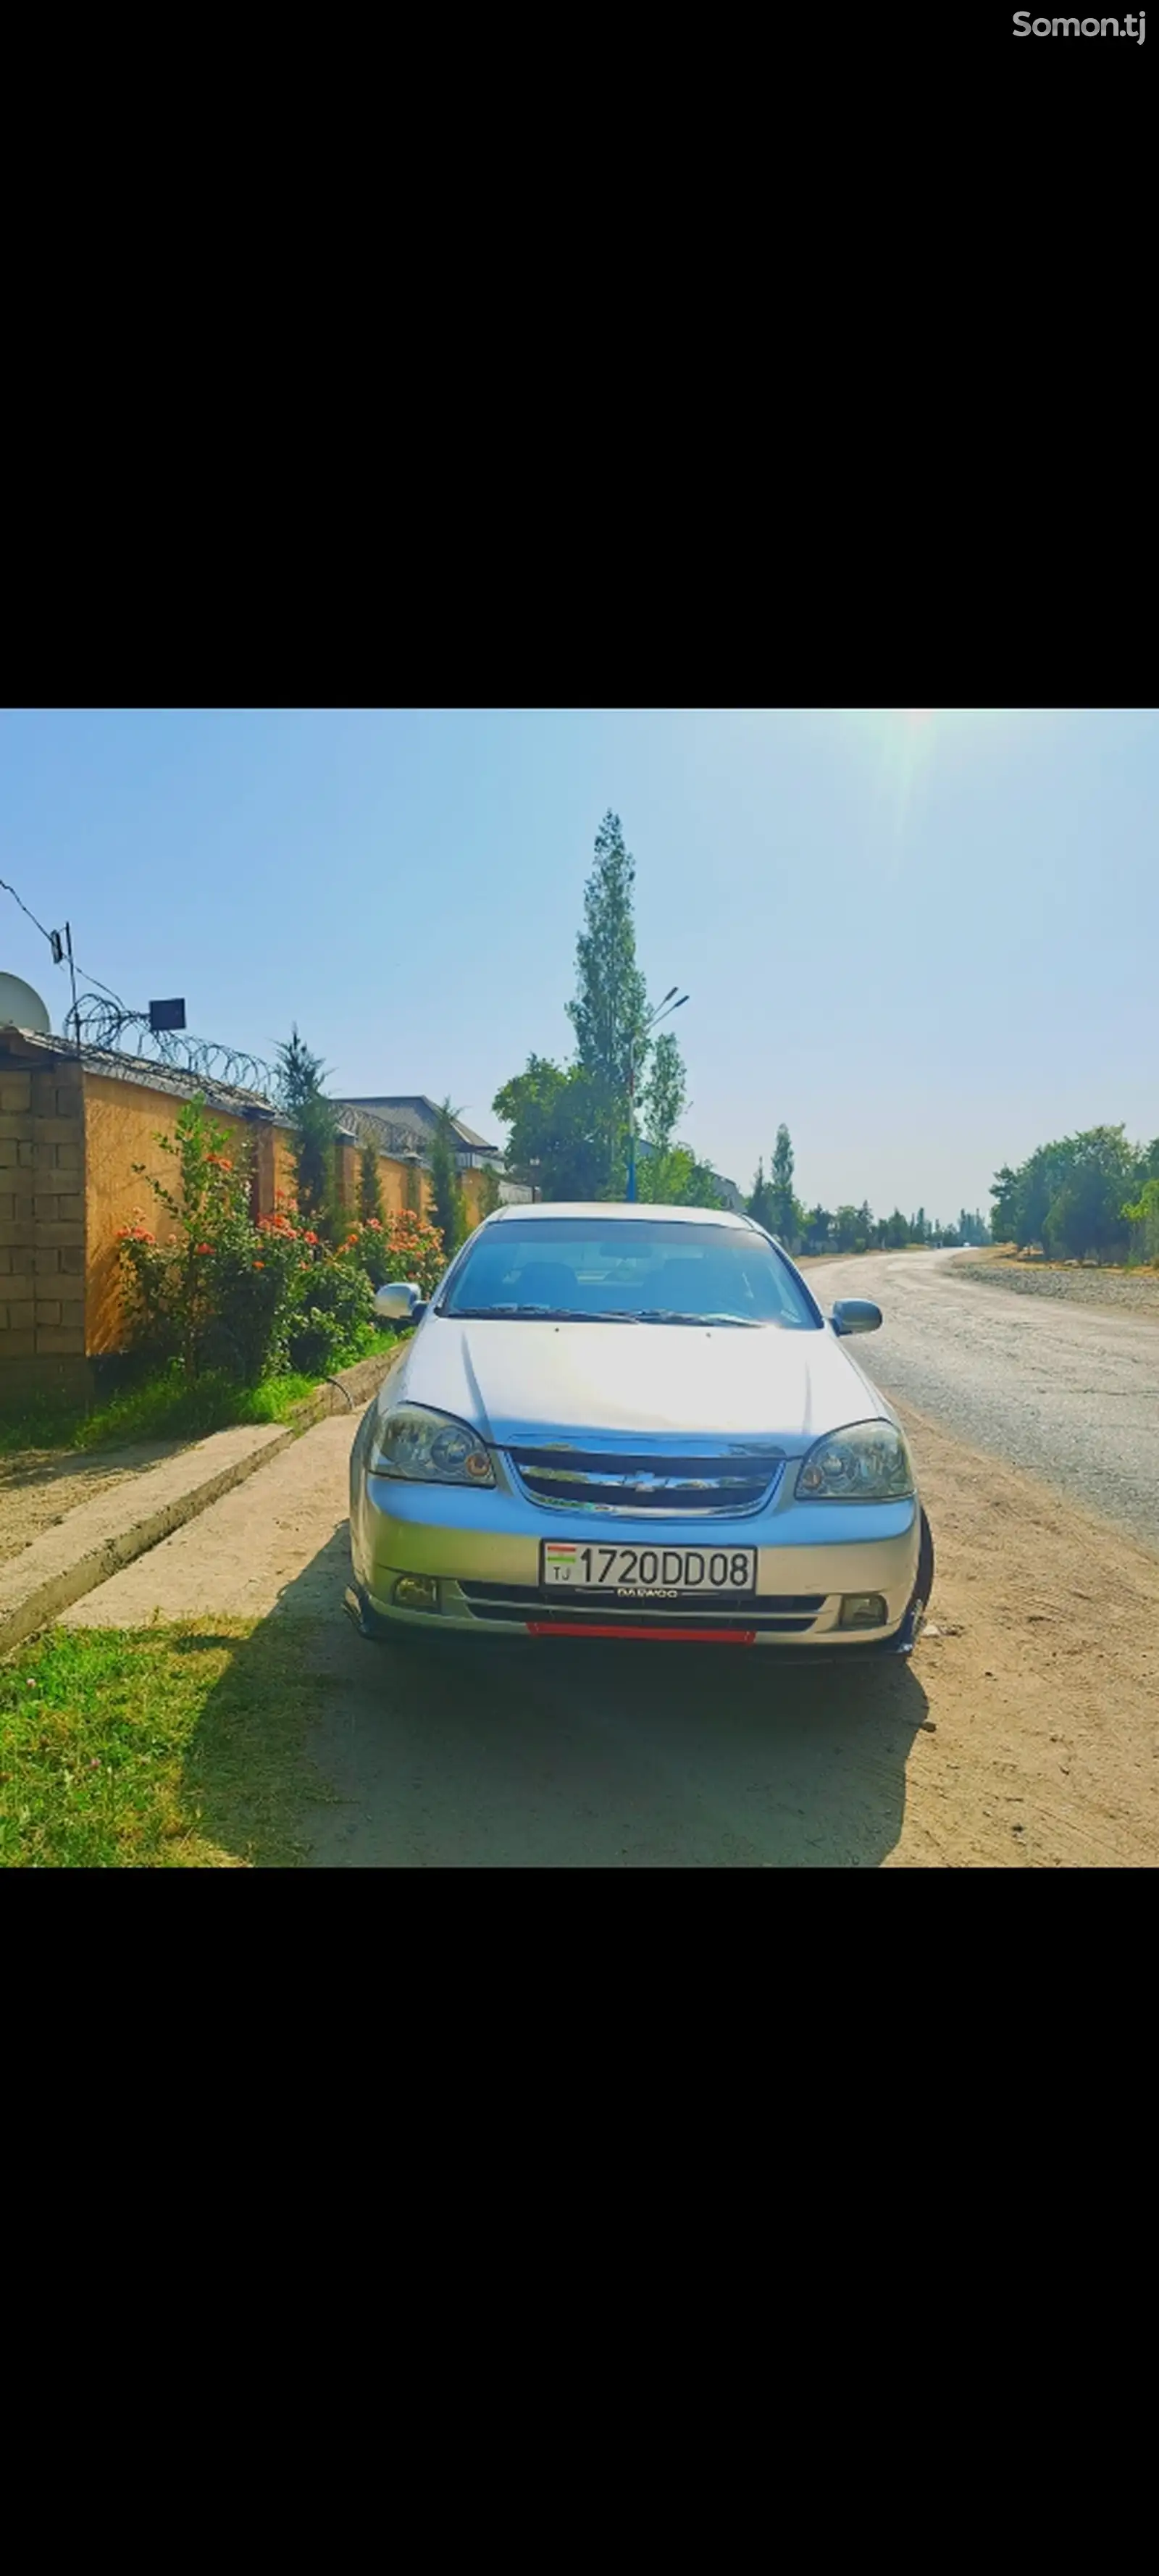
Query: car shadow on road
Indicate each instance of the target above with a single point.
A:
(452, 1752)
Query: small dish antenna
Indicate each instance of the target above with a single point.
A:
(22, 1008)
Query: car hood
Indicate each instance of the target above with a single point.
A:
(524, 1382)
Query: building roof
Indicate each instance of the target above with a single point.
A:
(424, 1112)
(176, 1079)
(390, 1135)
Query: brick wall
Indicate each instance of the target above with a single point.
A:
(42, 1228)
(68, 1144)
(122, 1123)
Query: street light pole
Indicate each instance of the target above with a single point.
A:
(663, 1011)
(632, 1118)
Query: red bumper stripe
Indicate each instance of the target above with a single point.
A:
(654, 1636)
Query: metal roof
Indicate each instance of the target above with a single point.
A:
(427, 1111)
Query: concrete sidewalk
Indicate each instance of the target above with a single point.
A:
(280, 1544)
(103, 1535)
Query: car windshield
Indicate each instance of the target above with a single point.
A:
(635, 1270)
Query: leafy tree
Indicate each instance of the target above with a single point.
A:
(1070, 1193)
(762, 1204)
(1004, 1190)
(665, 1096)
(301, 1074)
(1086, 1215)
(369, 1185)
(853, 1227)
(677, 1179)
(700, 1187)
(448, 1208)
(610, 1005)
(488, 1190)
(818, 1230)
(781, 1187)
(558, 1137)
(895, 1232)
(1143, 1218)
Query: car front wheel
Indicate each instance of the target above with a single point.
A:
(925, 1578)
(377, 1632)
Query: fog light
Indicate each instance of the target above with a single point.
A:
(417, 1592)
(863, 1610)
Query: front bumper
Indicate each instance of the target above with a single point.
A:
(482, 1549)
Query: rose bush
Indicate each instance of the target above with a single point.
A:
(333, 1320)
(253, 1296)
(212, 1295)
(402, 1246)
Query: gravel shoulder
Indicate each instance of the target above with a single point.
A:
(1132, 1292)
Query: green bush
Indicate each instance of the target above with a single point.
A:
(230, 1293)
(1143, 1218)
(403, 1246)
(221, 1293)
(450, 1207)
(370, 1205)
(334, 1322)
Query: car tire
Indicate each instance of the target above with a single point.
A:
(925, 1577)
(376, 1631)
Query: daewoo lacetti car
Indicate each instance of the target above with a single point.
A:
(627, 1421)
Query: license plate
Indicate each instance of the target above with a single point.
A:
(645, 1573)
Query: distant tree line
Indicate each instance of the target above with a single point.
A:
(774, 1204)
(1091, 1197)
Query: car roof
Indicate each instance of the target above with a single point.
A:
(603, 1210)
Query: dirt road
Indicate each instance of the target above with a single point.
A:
(1069, 1392)
(1025, 1732)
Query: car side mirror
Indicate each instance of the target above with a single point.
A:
(399, 1302)
(856, 1315)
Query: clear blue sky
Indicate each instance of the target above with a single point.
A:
(925, 939)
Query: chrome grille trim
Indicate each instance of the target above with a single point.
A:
(684, 1488)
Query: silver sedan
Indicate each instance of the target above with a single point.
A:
(634, 1422)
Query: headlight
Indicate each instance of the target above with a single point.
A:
(866, 1463)
(413, 1441)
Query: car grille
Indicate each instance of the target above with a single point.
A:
(789, 1613)
(709, 1488)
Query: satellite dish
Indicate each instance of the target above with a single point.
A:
(21, 1008)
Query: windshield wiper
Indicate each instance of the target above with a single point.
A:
(537, 1314)
(669, 1315)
